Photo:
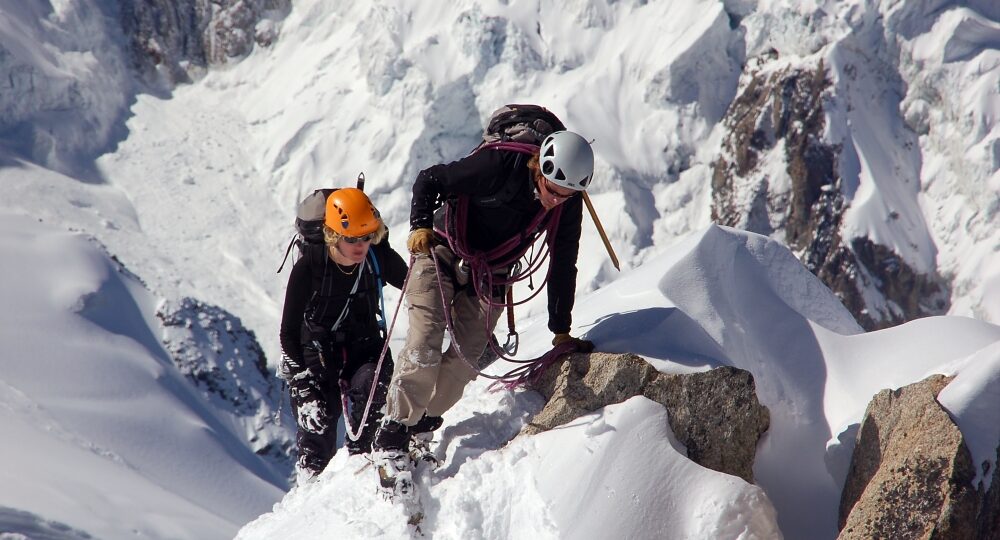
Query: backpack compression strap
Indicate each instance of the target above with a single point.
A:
(512, 146)
(373, 260)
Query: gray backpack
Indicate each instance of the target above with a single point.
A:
(309, 218)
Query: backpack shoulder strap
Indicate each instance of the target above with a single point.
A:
(315, 255)
(379, 284)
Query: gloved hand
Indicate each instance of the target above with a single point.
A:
(582, 345)
(420, 240)
(312, 415)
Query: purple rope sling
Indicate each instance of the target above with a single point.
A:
(484, 281)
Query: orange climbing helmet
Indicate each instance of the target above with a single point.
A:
(349, 212)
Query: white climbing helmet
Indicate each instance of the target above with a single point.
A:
(567, 160)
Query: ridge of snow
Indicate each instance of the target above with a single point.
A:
(534, 489)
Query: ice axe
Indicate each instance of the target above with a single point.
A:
(600, 230)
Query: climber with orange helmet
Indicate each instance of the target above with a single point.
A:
(331, 336)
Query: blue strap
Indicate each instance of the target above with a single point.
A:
(378, 281)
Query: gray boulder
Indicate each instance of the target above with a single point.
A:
(715, 414)
(911, 474)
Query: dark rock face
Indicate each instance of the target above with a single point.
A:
(224, 361)
(715, 414)
(912, 474)
(989, 515)
(783, 106)
(784, 109)
(909, 295)
(170, 40)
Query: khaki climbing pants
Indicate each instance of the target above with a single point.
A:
(425, 380)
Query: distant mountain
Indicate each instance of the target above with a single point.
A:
(862, 135)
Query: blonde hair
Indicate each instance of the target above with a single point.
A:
(331, 236)
(533, 164)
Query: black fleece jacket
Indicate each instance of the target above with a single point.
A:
(502, 205)
(304, 284)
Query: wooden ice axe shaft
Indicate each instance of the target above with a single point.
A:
(600, 230)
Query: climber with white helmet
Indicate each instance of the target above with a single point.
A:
(471, 220)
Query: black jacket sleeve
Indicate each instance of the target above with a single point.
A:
(562, 280)
(297, 295)
(471, 175)
(392, 265)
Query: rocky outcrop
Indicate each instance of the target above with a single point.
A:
(169, 40)
(715, 414)
(912, 474)
(779, 117)
(224, 361)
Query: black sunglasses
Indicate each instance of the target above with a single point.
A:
(355, 239)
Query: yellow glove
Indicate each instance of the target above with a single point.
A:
(582, 345)
(420, 241)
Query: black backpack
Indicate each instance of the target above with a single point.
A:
(517, 128)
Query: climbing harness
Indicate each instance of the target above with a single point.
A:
(355, 433)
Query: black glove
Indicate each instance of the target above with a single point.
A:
(313, 415)
(321, 365)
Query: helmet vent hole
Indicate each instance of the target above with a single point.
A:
(584, 182)
(550, 151)
(547, 167)
(560, 175)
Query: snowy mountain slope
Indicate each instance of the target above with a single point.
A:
(718, 297)
(952, 102)
(618, 474)
(101, 432)
(215, 352)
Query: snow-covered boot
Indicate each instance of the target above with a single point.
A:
(395, 474)
(423, 436)
(391, 458)
(305, 471)
(420, 450)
